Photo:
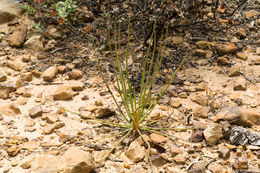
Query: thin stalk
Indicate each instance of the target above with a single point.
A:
(174, 129)
(121, 76)
(119, 133)
(144, 98)
(143, 89)
(125, 136)
(149, 147)
(110, 91)
(127, 72)
(96, 119)
(116, 70)
(157, 132)
(156, 100)
(156, 68)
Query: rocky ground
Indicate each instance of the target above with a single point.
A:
(212, 108)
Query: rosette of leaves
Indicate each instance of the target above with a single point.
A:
(65, 8)
(135, 110)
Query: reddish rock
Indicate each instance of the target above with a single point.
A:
(76, 74)
(156, 138)
(201, 111)
(252, 13)
(226, 48)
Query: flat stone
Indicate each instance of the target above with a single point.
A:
(158, 160)
(200, 98)
(241, 55)
(200, 52)
(156, 138)
(215, 168)
(75, 85)
(35, 111)
(29, 123)
(15, 65)
(256, 60)
(75, 160)
(63, 93)
(224, 152)
(176, 104)
(48, 129)
(27, 76)
(30, 146)
(174, 150)
(50, 117)
(201, 111)
(104, 111)
(13, 150)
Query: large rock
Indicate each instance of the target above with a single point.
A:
(63, 93)
(74, 160)
(34, 43)
(9, 10)
(18, 37)
(135, 152)
(239, 116)
(15, 64)
(213, 133)
(10, 109)
(5, 89)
